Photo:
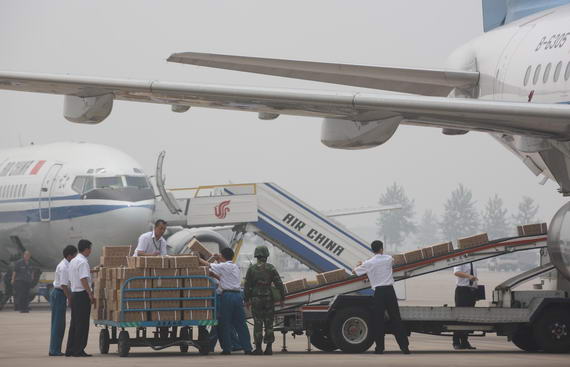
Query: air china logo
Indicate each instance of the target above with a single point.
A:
(221, 210)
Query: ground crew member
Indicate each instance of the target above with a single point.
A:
(59, 298)
(152, 243)
(466, 286)
(231, 314)
(379, 272)
(81, 300)
(258, 280)
(22, 279)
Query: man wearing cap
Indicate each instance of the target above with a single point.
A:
(258, 293)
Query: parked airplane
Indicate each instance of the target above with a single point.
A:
(512, 81)
(53, 195)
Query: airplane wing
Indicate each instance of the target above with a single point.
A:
(531, 119)
(428, 82)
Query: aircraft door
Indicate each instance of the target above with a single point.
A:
(46, 189)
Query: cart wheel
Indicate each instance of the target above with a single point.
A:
(204, 350)
(104, 341)
(123, 345)
(203, 341)
(184, 335)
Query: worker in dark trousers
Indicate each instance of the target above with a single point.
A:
(59, 298)
(22, 279)
(81, 300)
(466, 281)
(379, 272)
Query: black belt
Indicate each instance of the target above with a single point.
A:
(231, 291)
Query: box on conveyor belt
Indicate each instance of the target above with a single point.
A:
(427, 252)
(331, 276)
(295, 285)
(472, 241)
(442, 249)
(532, 229)
(184, 261)
(145, 262)
(413, 256)
(110, 251)
(165, 282)
(198, 249)
(399, 260)
(113, 261)
(196, 282)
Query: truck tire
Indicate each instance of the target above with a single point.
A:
(524, 339)
(552, 330)
(351, 330)
(321, 339)
(184, 335)
(104, 341)
(123, 345)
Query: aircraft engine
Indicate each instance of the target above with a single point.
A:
(178, 241)
(87, 110)
(559, 240)
(345, 134)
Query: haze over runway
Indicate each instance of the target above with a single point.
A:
(134, 38)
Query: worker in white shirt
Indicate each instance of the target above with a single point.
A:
(152, 243)
(379, 272)
(81, 300)
(232, 314)
(466, 286)
(59, 298)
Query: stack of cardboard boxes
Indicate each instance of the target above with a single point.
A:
(162, 294)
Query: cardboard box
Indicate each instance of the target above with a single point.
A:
(166, 315)
(399, 260)
(413, 256)
(532, 229)
(184, 261)
(126, 273)
(198, 315)
(442, 249)
(472, 241)
(198, 249)
(156, 262)
(165, 283)
(427, 252)
(331, 276)
(295, 285)
(129, 316)
(175, 303)
(113, 261)
(197, 282)
(110, 251)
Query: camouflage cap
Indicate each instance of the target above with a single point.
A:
(261, 251)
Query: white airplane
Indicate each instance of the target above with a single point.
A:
(512, 82)
(53, 195)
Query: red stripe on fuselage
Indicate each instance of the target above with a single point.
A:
(37, 167)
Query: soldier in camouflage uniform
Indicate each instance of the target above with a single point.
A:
(258, 293)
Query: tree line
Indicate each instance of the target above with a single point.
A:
(460, 218)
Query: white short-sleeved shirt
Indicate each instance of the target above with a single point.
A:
(79, 269)
(61, 274)
(230, 275)
(378, 269)
(464, 282)
(149, 244)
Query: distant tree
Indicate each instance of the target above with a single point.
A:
(395, 225)
(428, 230)
(527, 212)
(460, 218)
(495, 221)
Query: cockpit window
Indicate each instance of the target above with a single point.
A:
(136, 181)
(78, 184)
(108, 182)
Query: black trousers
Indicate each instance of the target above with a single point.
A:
(21, 295)
(464, 297)
(385, 300)
(79, 325)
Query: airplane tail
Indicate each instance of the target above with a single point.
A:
(500, 12)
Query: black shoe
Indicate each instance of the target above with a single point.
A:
(378, 351)
(258, 350)
(406, 350)
(469, 346)
(458, 347)
(226, 353)
(268, 350)
(56, 354)
(83, 354)
(247, 352)
(68, 354)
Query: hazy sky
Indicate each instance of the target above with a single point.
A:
(133, 39)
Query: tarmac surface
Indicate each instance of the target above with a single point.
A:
(25, 340)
